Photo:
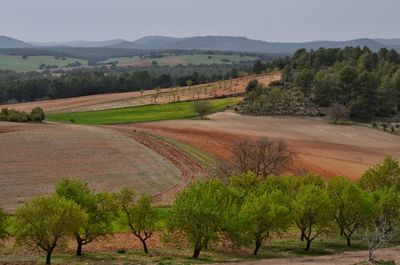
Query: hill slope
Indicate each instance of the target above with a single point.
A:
(240, 44)
(7, 42)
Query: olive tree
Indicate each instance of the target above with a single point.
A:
(312, 211)
(139, 216)
(46, 220)
(100, 209)
(351, 206)
(198, 213)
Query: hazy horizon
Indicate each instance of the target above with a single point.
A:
(268, 20)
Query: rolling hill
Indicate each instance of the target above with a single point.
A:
(240, 44)
(217, 43)
(7, 42)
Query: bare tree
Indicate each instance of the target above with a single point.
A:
(337, 111)
(263, 157)
(377, 235)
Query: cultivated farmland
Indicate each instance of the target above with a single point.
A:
(34, 156)
(130, 99)
(157, 112)
(31, 63)
(321, 147)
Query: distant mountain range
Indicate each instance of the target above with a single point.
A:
(218, 43)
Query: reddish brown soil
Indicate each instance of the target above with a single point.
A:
(34, 156)
(190, 168)
(129, 99)
(321, 148)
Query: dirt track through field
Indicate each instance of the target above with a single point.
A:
(130, 99)
(190, 168)
(321, 148)
(345, 258)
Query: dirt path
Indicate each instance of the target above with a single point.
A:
(189, 167)
(345, 258)
(321, 148)
(129, 99)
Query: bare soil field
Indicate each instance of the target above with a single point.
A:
(34, 156)
(321, 148)
(130, 99)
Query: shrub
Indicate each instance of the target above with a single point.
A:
(38, 115)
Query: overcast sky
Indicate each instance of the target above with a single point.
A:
(271, 20)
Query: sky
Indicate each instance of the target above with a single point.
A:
(269, 20)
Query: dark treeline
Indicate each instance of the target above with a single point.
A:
(366, 82)
(81, 83)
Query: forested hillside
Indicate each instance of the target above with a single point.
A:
(366, 83)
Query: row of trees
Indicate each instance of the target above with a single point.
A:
(37, 115)
(246, 209)
(82, 82)
(367, 83)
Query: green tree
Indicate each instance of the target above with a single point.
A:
(325, 88)
(100, 209)
(258, 67)
(198, 213)
(304, 79)
(385, 175)
(351, 206)
(46, 220)
(312, 211)
(139, 216)
(189, 83)
(37, 115)
(262, 214)
(202, 107)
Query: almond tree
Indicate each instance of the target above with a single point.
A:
(45, 221)
(351, 206)
(139, 216)
(312, 211)
(99, 207)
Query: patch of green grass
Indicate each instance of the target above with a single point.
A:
(147, 113)
(202, 157)
(17, 63)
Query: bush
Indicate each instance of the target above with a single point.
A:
(12, 115)
(202, 108)
(38, 115)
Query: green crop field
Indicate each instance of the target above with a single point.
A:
(17, 63)
(147, 113)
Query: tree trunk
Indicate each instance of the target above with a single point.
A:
(196, 252)
(48, 257)
(258, 245)
(348, 241)
(144, 246)
(302, 235)
(79, 247)
(308, 245)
